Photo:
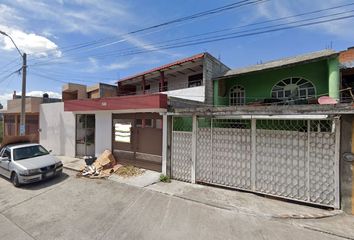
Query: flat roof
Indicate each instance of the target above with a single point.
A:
(284, 62)
(131, 103)
(166, 66)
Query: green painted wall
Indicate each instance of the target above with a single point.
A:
(258, 85)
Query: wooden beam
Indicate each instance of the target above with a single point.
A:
(162, 80)
(182, 73)
(172, 75)
(191, 70)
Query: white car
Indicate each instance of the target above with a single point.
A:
(27, 163)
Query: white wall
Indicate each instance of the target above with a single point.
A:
(103, 132)
(194, 93)
(57, 129)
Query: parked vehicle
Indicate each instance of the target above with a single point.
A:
(25, 163)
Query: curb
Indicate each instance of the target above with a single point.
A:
(255, 213)
(325, 231)
(71, 168)
(309, 216)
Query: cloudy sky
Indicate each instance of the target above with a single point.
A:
(88, 41)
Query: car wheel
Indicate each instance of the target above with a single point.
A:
(14, 180)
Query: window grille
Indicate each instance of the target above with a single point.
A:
(293, 88)
(237, 96)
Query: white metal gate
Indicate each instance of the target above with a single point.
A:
(293, 159)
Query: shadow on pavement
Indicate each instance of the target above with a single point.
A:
(43, 184)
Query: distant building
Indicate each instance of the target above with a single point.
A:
(12, 115)
(346, 61)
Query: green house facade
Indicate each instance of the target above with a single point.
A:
(296, 80)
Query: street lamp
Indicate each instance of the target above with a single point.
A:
(23, 95)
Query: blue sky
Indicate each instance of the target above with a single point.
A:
(48, 30)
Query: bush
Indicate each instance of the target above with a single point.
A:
(164, 178)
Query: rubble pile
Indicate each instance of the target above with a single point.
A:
(129, 171)
(102, 167)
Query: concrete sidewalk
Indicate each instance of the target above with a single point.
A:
(333, 222)
(341, 225)
(71, 163)
(241, 201)
(147, 178)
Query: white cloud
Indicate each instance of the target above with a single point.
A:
(94, 65)
(4, 97)
(279, 8)
(89, 17)
(40, 94)
(28, 42)
(134, 61)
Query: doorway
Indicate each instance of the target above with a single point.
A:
(85, 135)
(137, 140)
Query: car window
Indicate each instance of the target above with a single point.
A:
(6, 153)
(29, 152)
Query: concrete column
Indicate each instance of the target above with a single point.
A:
(253, 156)
(333, 78)
(103, 132)
(143, 84)
(194, 147)
(162, 80)
(347, 168)
(216, 93)
(164, 144)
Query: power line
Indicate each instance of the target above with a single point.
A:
(9, 66)
(232, 36)
(9, 75)
(178, 20)
(237, 35)
(242, 26)
(204, 40)
(57, 80)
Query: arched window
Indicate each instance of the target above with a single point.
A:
(237, 96)
(293, 88)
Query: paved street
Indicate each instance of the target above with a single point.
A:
(75, 208)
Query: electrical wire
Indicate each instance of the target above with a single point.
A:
(251, 32)
(9, 75)
(241, 26)
(178, 20)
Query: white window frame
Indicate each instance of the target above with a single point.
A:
(280, 93)
(237, 96)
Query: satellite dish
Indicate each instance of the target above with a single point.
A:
(327, 100)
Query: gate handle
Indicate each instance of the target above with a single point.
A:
(348, 157)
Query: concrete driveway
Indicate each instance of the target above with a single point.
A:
(75, 208)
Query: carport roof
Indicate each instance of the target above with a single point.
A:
(164, 67)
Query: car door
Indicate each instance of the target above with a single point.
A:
(5, 157)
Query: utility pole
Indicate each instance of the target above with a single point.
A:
(23, 95)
